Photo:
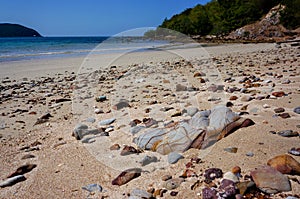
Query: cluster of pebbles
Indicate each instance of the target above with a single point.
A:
(112, 106)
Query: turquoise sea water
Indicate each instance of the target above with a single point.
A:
(29, 48)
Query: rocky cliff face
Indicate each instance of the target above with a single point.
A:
(268, 28)
(16, 30)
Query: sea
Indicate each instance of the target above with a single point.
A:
(30, 48)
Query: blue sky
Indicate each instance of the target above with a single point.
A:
(90, 17)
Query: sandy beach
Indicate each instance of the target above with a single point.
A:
(43, 101)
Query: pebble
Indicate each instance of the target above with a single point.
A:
(297, 110)
(22, 170)
(286, 81)
(233, 97)
(191, 111)
(269, 180)
(250, 154)
(127, 176)
(213, 99)
(266, 106)
(115, 147)
(288, 133)
(128, 150)
(279, 110)
(180, 87)
(98, 111)
(166, 177)
(91, 120)
(11, 181)
(284, 115)
(28, 156)
(173, 157)
(278, 94)
(246, 98)
(109, 129)
(294, 151)
(101, 98)
(93, 188)
(213, 173)
(120, 105)
(285, 164)
(138, 193)
(107, 122)
(148, 160)
(173, 183)
(78, 130)
(231, 149)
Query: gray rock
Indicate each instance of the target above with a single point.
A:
(173, 157)
(246, 98)
(148, 159)
(78, 130)
(138, 193)
(269, 180)
(93, 188)
(91, 120)
(191, 111)
(250, 154)
(297, 110)
(288, 133)
(180, 87)
(13, 180)
(107, 122)
(134, 130)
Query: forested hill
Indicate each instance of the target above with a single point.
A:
(16, 30)
(220, 17)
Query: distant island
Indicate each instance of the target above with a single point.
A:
(16, 30)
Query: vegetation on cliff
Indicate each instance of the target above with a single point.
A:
(16, 30)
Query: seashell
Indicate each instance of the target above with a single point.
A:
(127, 176)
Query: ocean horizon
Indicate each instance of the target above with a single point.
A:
(31, 48)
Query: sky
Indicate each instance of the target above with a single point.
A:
(90, 17)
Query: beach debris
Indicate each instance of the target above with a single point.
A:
(173, 157)
(269, 180)
(12, 180)
(126, 176)
(101, 98)
(22, 170)
(285, 164)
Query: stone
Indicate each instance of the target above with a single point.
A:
(250, 154)
(233, 98)
(173, 157)
(246, 98)
(191, 111)
(128, 150)
(166, 177)
(212, 173)
(180, 87)
(27, 156)
(266, 106)
(22, 170)
(173, 183)
(115, 147)
(98, 111)
(139, 193)
(297, 110)
(209, 193)
(78, 130)
(284, 115)
(93, 188)
(279, 110)
(91, 120)
(107, 121)
(278, 94)
(286, 81)
(126, 176)
(231, 149)
(134, 130)
(176, 114)
(294, 151)
(285, 164)
(227, 189)
(12, 181)
(148, 160)
(269, 180)
(288, 133)
(101, 98)
(120, 105)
